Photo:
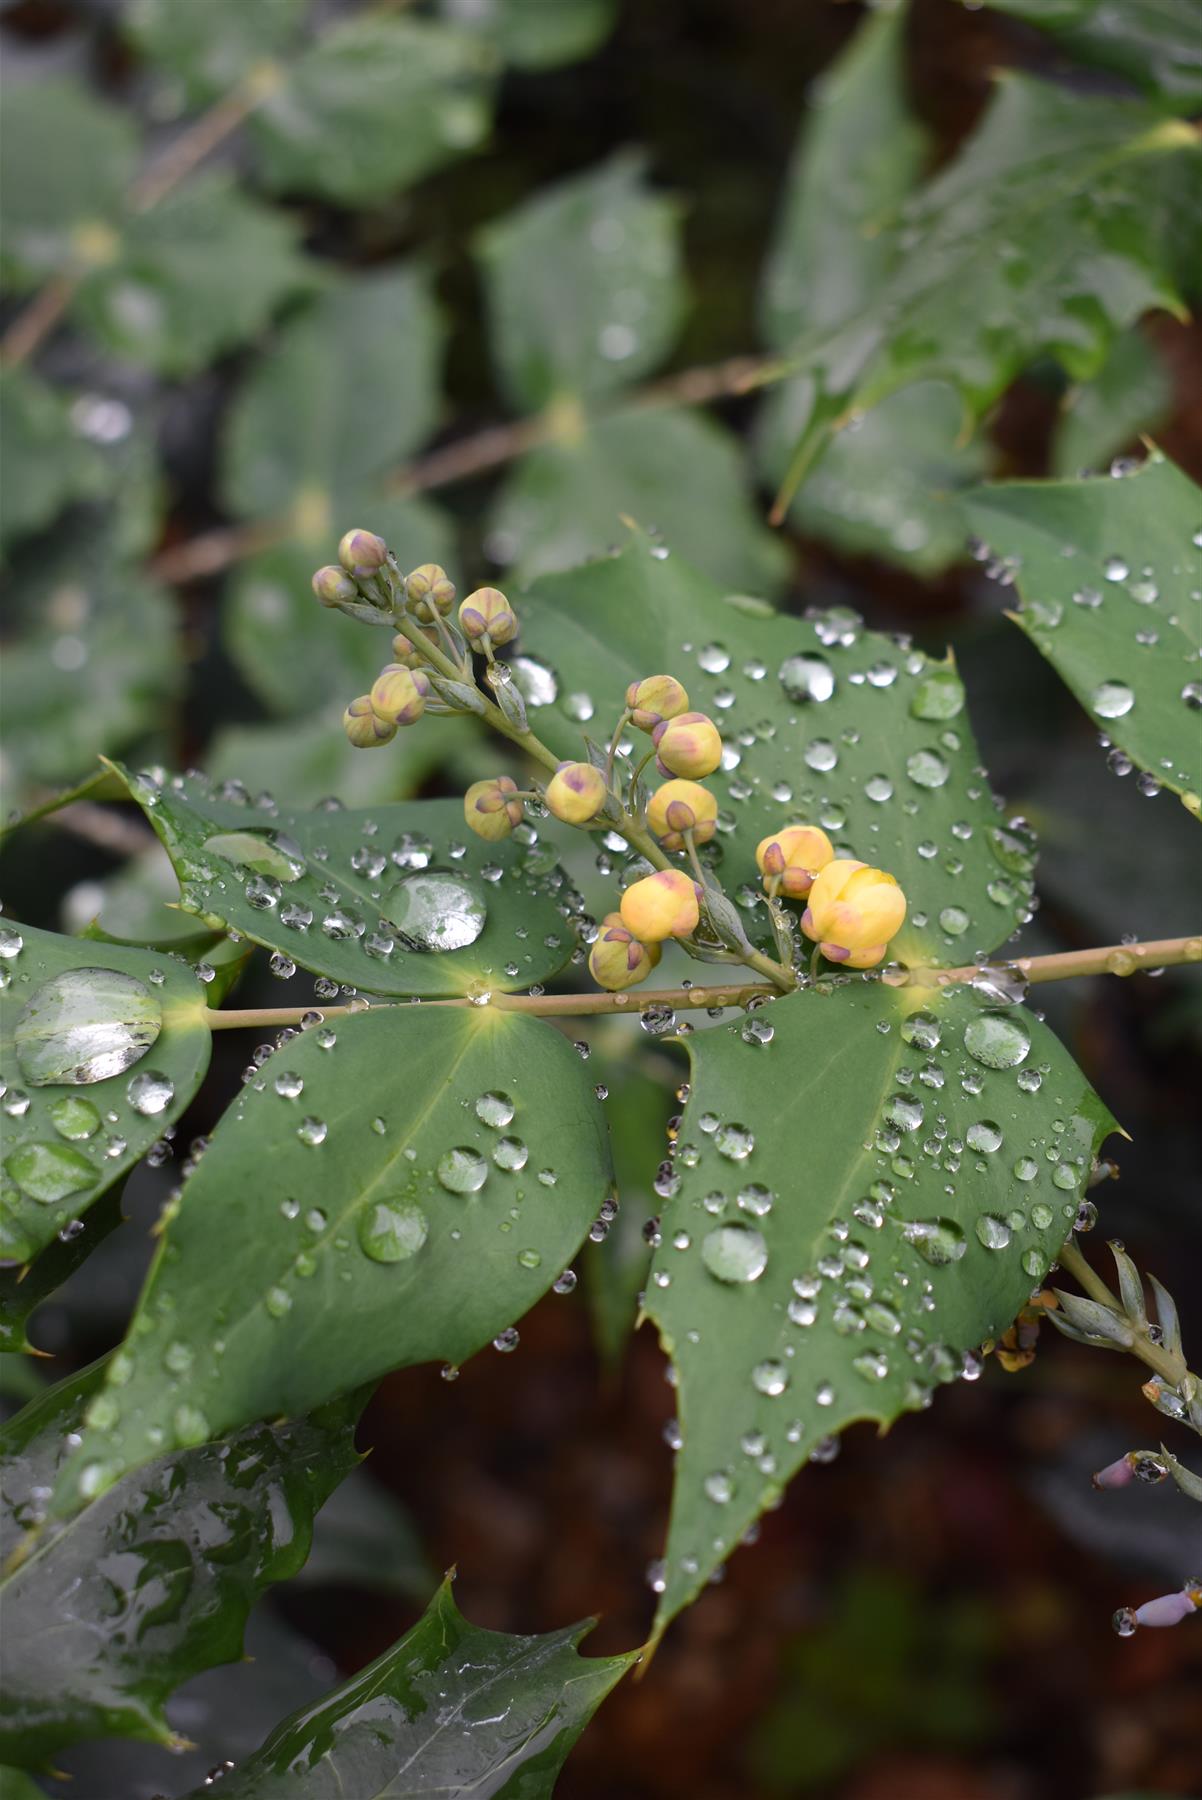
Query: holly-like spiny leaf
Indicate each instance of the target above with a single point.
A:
(1110, 573)
(1154, 43)
(451, 1709)
(824, 723)
(395, 1190)
(101, 1047)
(862, 1199)
(399, 899)
(106, 1614)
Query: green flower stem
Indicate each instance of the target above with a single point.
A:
(614, 741)
(68, 797)
(1170, 1367)
(1058, 967)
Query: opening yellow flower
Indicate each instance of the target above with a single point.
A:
(853, 912)
(661, 906)
(790, 859)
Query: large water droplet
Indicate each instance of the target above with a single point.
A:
(735, 1253)
(807, 677)
(436, 910)
(263, 853)
(733, 1141)
(85, 1025)
(74, 1118)
(510, 1153)
(997, 1040)
(985, 1136)
(149, 1092)
(937, 1241)
(462, 1170)
(770, 1377)
(993, 1232)
(1112, 699)
(495, 1109)
(537, 684)
(927, 769)
(49, 1172)
(392, 1230)
(939, 695)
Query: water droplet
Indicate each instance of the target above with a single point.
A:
(879, 788)
(267, 853)
(719, 1487)
(1112, 699)
(927, 769)
(922, 1030)
(1026, 1169)
(435, 910)
(462, 1170)
(538, 685)
(807, 677)
(507, 1340)
(49, 1172)
(11, 942)
(954, 920)
(938, 696)
(392, 1230)
(821, 755)
(735, 1253)
(289, 1085)
(530, 1259)
(907, 1114)
(993, 1232)
(1191, 693)
(937, 1241)
(735, 1142)
(510, 1153)
(997, 1040)
(312, 1131)
(74, 1118)
(150, 1092)
(495, 1109)
(770, 1377)
(984, 1136)
(191, 1427)
(84, 1026)
(1042, 1215)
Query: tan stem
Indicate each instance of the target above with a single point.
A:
(1106, 959)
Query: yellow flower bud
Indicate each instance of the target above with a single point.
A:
(405, 650)
(680, 806)
(333, 586)
(430, 587)
(363, 728)
(399, 695)
(487, 613)
(489, 810)
(617, 959)
(655, 699)
(661, 906)
(689, 744)
(853, 912)
(576, 792)
(790, 859)
(362, 553)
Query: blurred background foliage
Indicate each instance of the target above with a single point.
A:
(495, 278)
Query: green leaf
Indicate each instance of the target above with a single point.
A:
(638, 1109)
(23, 1288)
(202, 271)
(47, 463)
(680, 473)
(1049, 234)
(584, 285)
(880, 753)
(449, 1709)
(391, 901)
(1131, 393)
(536, 34)
(373, 106)
(873, 1193)
(93, 657)
(208, 52)
(67, 160)
(350, 387)
(107, 1614)
(1109, 571)
(136, 905)
(391, 1224)
(291, 652)
(365, 1538)
(87, 1031)
(1155, 43)
(309, 759)
(15, 1784)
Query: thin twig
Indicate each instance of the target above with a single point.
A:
(115, 832)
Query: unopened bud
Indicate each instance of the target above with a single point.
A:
(654, 699)
(680, 806)
(617, 959)
(576, 792)
(405, 650)
(490, 810)
(429, 589)
(487, 613)
(791, 858)
(1170, 1609)
(363, 726)
(663, 905)
(333, 586)
(688, 744)
(853, 913)
(362, 553)
(399, 695)
(1118, 1474)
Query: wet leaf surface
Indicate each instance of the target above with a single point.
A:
(106, 1615)
(397, 1187)
(861, 1201)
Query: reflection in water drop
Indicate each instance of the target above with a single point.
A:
(939, 695)
(997, 1040)
(436, 910)
(150, 1093)
(74, 1118)
(392, 1230)
(49, 1172)
(84, 1026)
(807, 677)
(538, 685)
(993, 1232)
(1112, 699)
(937, 1241)
(770, 1377)
(735, 1253)
(926, 768)
(462, 1170)
(495, 1109)
(263, 853)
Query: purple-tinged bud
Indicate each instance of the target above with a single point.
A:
(399, 695)
(405, 650)
(1168, 1609)
(486, 613)
(333, 586)
(1119, 1474)
(362, 553)
(365, 729)
(654, 699)
(576, 792)
(429, 589)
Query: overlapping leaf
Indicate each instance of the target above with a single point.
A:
(824, 723)
(396, 1190)
(1154, 43)
(47, 463)
(1051, 232)
(68, 159)
(207, 53)
(862, 1199)
(536, 34)
(24, 1287)
(402, 899)
(105, 1616)
(449, 1709)
(1110, 572)
(1130, 394)
(372, 106)
(100, 1048)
